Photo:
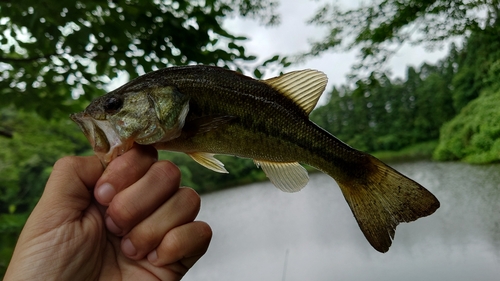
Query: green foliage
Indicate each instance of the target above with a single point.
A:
(380, 115)
(54, 52)
(59, 49)
(474, 134)
(418, 151)
(475, 63)
(376, 28)
(25, 164)
(56, 56)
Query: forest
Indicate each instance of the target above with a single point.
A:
(447, 111)
(451, 106)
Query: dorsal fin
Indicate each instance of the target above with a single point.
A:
(303, 87)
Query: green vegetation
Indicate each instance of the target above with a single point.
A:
(53, 53)
(474, 134)
(26, 159)
(455, 101)
(378, 28)
(383, 115)
(58, 50)
(57, 56)
(418, 151)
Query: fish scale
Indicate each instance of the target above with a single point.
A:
(206, 110)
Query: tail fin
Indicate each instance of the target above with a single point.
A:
(383, 199)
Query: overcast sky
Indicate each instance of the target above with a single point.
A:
(293, 34)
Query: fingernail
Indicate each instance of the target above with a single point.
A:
(111, 225)
(128, 248)
(153, 256)
(106, 192)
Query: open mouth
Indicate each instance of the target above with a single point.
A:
(105, 141)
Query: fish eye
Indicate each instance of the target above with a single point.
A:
(112, 105)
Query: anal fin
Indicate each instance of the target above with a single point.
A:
(208, 161)
(286, 176)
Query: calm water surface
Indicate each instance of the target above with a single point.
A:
(261, 233)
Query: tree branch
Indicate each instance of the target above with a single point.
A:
(29, 59)
(6, 133)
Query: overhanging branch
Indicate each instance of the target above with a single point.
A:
(6, 133)
(28, 59)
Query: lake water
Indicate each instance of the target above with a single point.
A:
(261, 233)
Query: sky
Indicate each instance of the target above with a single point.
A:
(292, 36)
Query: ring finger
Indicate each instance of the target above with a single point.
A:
(181, 208)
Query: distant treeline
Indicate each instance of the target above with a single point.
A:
(456, 100)
(381, 114)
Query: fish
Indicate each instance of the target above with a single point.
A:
(205, 111)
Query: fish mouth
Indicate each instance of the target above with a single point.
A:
(105, 140)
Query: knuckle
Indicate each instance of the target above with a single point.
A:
(175, 243)
(119, 167)
(121, 210)
(191, 199)
(147, 233)
(166, 169)
(67, 161)
(121, 163)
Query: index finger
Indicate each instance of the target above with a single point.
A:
(124, 171)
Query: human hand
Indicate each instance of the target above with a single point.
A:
(137, 226)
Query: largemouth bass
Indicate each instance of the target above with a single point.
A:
(205, 110)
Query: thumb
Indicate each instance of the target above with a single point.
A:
(68, 191)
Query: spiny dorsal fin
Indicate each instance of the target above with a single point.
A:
(208, 161)
(304, 87)
(286, 176)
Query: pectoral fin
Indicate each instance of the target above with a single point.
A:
(206, 124)
(208, 161)
(286, 176)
